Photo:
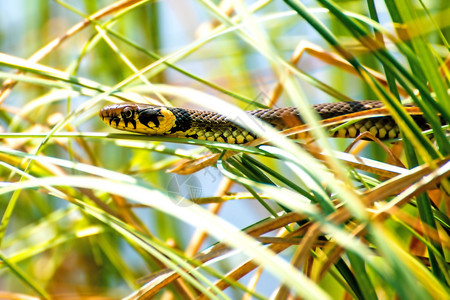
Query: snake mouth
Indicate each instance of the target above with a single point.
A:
(111, 116)
(105, 115)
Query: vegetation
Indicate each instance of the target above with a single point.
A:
(87, 211)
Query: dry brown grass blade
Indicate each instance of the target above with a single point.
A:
(368, 135)
(189, 167)
(428, 181)
(395, 185)
(228, 197)
(44, 51)
(361, 163)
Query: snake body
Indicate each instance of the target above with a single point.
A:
(206, 125)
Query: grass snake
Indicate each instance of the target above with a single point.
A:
(206, 125)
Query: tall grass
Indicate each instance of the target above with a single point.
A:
(87, 212)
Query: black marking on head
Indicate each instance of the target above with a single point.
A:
(150, 115)
(183, 120)
(133, 122)
(115, 119)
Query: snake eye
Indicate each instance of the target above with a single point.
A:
(127, 113)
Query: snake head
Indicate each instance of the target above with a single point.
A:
(142, 118)
(120, 116)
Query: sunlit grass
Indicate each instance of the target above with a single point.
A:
(91, 212)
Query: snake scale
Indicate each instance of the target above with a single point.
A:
(206, 125)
